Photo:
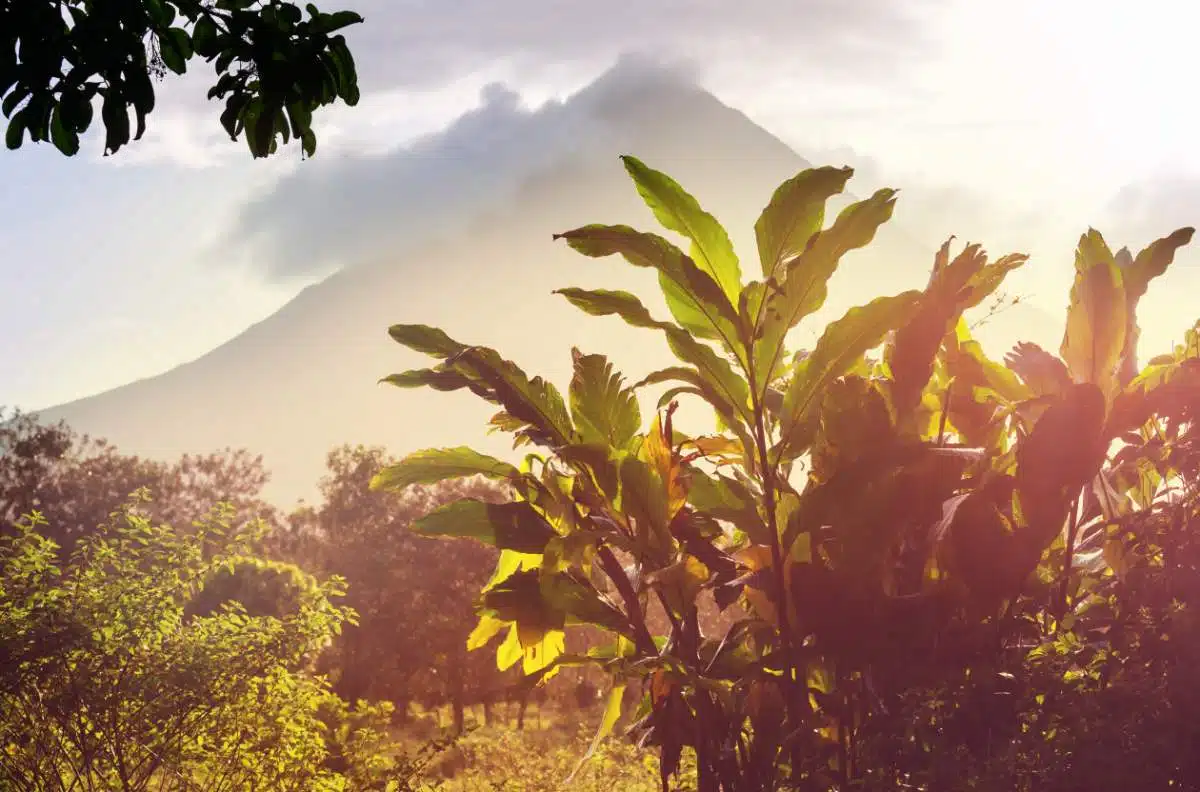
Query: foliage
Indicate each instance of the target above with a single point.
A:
(414, 595)
(275, 64)
(108, 682)
(76, 482)
(922, 548)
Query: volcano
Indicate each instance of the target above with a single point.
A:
(471, 254)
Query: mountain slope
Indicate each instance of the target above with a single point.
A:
(481, 264)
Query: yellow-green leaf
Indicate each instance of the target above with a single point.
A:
(680, 212)
(1096, 316)
(795, 212)
(439, 464)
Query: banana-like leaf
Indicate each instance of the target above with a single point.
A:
(1097, 317)
(508, 526)
(1043, 373)
(954, 287)
(535, 404)
(840, 347)
(694, 298)
(603, 410)
(678, 211)
(803, 286)
(1136, 274)
(795, 213)
(1062, 453)
(439, 464)
(715, 370)
(426, 340)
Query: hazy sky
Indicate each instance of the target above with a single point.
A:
(1012, 122)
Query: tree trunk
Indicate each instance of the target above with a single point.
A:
(456, 697)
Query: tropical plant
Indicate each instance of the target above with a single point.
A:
(889, 527)
(274, 67)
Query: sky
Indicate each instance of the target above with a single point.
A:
(1010, 122)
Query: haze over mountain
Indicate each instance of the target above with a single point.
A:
(474, 257)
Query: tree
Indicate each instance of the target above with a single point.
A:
(909, 534)
(275, 65)
(414, 595)
(110, 680)
(77, 482)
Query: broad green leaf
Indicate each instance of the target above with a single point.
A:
(694, 298)
(1096, 316)
(1136, 274)
(1042, 372)
(1154, 260)
(510, 652)
(804, 285)
(487, 628)
(680, 212)
(426, 340)
(795, 213)
(840, 347)
(714, 369)
(535, 403)
(603, 410)
(508, 526)
(438, 464)
(606, 302)
(441, 379)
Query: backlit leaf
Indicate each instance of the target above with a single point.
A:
(1096, 316)
(840, 347)
(795, 212)
(438, 464)
(680, 212)
(603, 410)
(508, 526)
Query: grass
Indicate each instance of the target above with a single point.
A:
(537, 758)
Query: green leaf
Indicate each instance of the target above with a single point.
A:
(438, 464)
(680, 212)
(508, 526)
(535, 403)
(115, 115)
(1154, 260)
(426, 340)
(805, 280)
(714, 369)
(15, 133)
(840, 347)
(612, 714)
(205, 37)
(602, 409)
(64, 138)
(1042, 372)
(1136, 274)
(175, 46)
(694, 298)
(1096, 316)
(795, 213)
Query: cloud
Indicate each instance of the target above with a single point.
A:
(339, 210)
(422, 43)
(1144, 210)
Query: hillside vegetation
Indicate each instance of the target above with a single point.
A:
(893, 562)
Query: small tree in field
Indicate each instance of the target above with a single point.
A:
(414, 596)
(899, 528)
(108, 680)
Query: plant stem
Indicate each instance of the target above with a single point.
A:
(1065, 582)
(633, 607)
